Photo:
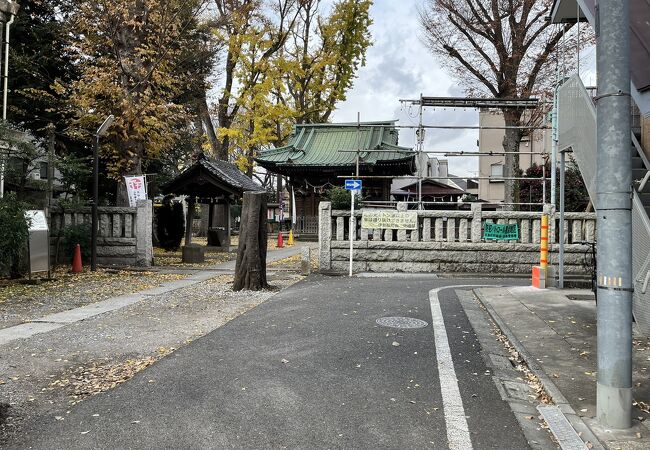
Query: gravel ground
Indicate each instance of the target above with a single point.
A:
(84, 358)
(21, 303)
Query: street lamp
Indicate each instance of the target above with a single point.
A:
(93, 237)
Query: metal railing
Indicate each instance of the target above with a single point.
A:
(577, 130)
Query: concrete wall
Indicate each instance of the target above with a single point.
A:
(450, 241)
(124, 237)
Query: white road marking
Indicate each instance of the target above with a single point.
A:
(457, 429)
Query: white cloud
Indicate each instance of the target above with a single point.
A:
(399, 66)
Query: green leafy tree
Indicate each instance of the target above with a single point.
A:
(342, 198)
(22, 154)
(13, 234)
(40, 61)
(576, 196)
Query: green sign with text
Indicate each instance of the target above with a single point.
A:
(500, 231)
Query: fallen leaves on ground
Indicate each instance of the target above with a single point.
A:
(289, 261)
(84, 381)
(642, 406)
(520, 365)
(96, 285)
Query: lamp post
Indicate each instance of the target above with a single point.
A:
(8, 11)
(93, 237)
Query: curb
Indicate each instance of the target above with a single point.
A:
(556, 395)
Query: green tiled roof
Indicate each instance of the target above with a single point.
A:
(313, 145)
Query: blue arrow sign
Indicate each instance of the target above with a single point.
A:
(353, 185)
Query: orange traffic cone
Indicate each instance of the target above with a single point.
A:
(280, 240)
(76, 260)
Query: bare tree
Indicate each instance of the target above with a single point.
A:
(502, 48)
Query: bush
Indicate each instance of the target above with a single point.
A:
(77, 234)
(13, 235)
(170, 224)
(340, 198)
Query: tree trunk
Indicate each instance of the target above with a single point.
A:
(511, 141)
(204, 114)
(250, 269)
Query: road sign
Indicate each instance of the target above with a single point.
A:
(353, 185)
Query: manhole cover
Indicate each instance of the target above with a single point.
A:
(401, 322)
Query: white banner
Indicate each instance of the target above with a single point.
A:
(136, 187)
(293, 206)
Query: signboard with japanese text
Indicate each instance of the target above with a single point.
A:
(136, 187)
(39, 242)
(37, 221)
(500, 231)
(389, 219)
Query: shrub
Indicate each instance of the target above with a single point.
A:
(170, 224)
(13, 235)
(77, 234)
(340, 198)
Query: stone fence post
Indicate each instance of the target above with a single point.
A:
(401, 234)
(325, 235)
(476, 222)
(144, 233)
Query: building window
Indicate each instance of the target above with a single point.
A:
(496, 171)
(44, 169)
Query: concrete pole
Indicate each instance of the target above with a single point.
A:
(614, 224)
(562, 237)
(94, 216)
(554, 141)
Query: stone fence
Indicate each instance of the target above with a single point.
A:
(451, 241)
(124, 237)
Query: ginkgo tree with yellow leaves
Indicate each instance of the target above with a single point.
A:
(292, 66)
(133, 61)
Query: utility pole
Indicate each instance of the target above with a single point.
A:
(50, 163)
(420, 134)
(614, 216)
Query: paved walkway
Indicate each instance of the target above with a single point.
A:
(311, 368)
(52, 322)
(557, 336)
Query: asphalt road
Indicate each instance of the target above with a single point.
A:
(309, 368)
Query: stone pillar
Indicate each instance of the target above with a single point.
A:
(189, 217)
(426, 229)
(227, 219)
(401, 234)
(439, 227)
(325, 235)
(462, 231)
(143, 233)
(590, 229)
(476, 222)
(305, 261)
(340, 229)
(352, 228)
(451, 229)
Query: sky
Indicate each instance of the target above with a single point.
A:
(399, 66)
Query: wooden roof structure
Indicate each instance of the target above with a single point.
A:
(211, 178)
